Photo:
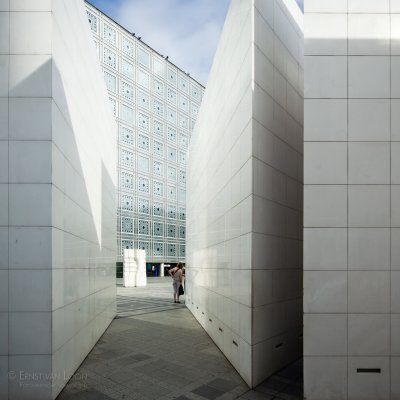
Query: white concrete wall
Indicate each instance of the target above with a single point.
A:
(244, 191)
(219, 203)
(57, 196)
(277, 186)
(351, 207)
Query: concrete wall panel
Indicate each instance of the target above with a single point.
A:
(244, 276)
(57, 192)
(350, 200)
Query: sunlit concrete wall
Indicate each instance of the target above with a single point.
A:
(244, 277)
(57, 197)
(352, 192)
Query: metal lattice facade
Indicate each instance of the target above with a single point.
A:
(155, 105)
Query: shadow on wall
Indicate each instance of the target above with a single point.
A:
(82, 196)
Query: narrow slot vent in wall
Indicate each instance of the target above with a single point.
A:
(368, 370)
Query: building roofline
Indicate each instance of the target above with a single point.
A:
(141, 41)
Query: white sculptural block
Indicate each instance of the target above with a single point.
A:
(134, 268)
(162, 269)
(140, 257)
(130, 268)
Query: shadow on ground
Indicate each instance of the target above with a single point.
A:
(155, 349)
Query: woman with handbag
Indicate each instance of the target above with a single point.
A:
(177, 276)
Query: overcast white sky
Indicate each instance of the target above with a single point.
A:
(187, 31)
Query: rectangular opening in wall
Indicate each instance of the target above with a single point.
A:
(368, 370)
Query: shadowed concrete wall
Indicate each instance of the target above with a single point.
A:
(351, 202)
(244, 275)
(57, 197)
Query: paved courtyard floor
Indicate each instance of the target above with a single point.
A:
(155, 349)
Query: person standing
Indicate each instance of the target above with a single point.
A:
(177, 276)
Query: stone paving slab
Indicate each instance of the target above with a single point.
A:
(155, 349)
